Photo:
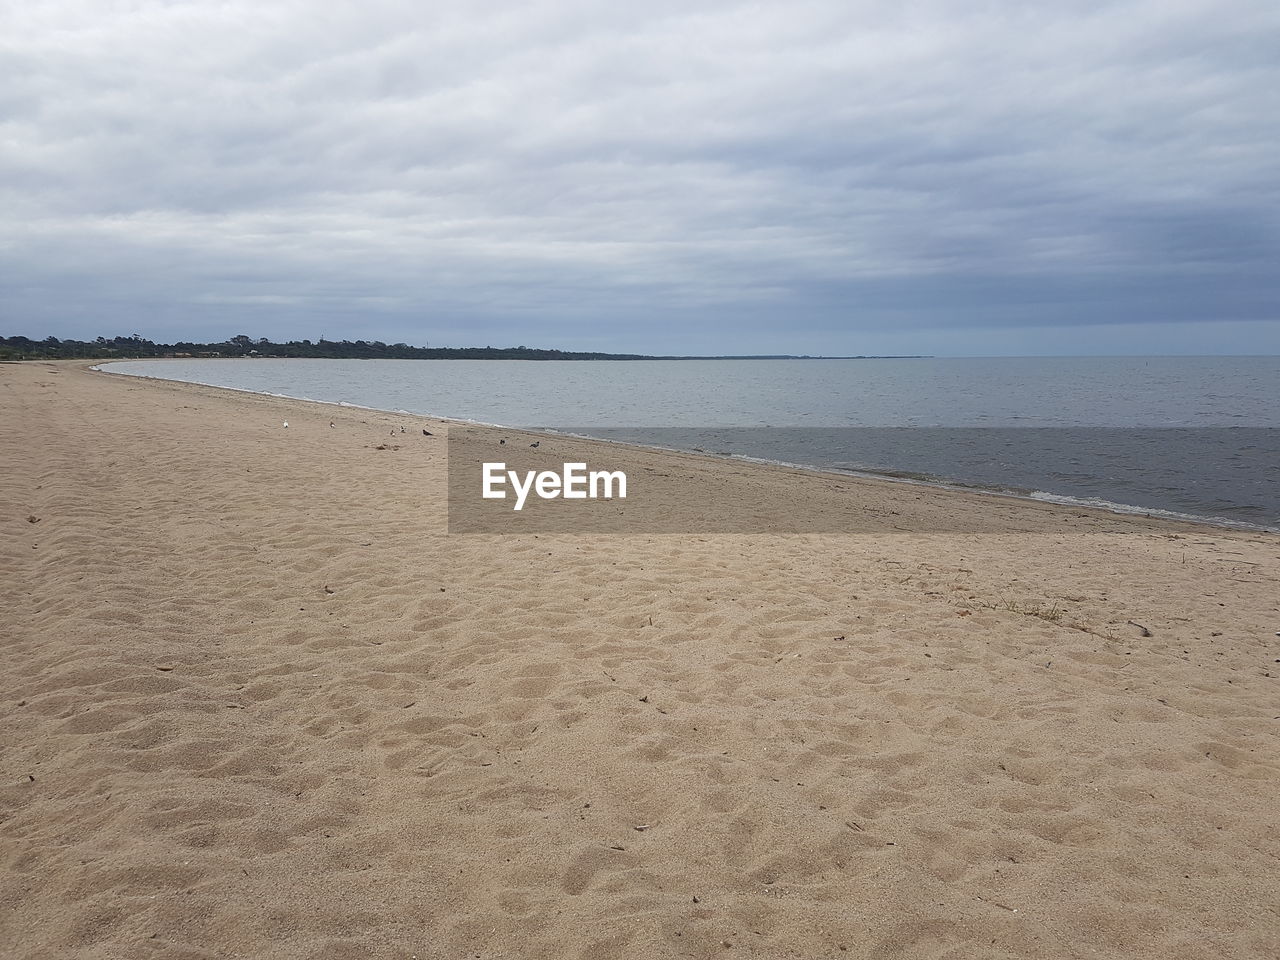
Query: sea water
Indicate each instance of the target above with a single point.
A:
(1188, 436)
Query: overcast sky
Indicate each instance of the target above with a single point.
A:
(802, 177)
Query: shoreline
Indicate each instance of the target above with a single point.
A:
(261, 703)
(1034, 496)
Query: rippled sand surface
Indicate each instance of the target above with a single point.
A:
(258, 703)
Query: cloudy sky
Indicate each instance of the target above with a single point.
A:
(805, 177)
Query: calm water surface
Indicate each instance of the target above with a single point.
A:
(1187, 435)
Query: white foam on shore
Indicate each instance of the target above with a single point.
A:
(1130, 509)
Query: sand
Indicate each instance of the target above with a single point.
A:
(258, 703)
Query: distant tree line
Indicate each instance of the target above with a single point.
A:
(128, 348)
(50, 348)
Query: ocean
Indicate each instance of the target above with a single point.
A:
(1195, 437)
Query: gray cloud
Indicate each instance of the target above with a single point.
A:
(813, 177)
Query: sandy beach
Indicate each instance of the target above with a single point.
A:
(259, 703)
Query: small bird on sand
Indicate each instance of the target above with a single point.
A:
(535, 443)
(502, 443)
(427, 433)
(286, 424)
(330, 424)
(402, 429)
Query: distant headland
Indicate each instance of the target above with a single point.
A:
(136, 347)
